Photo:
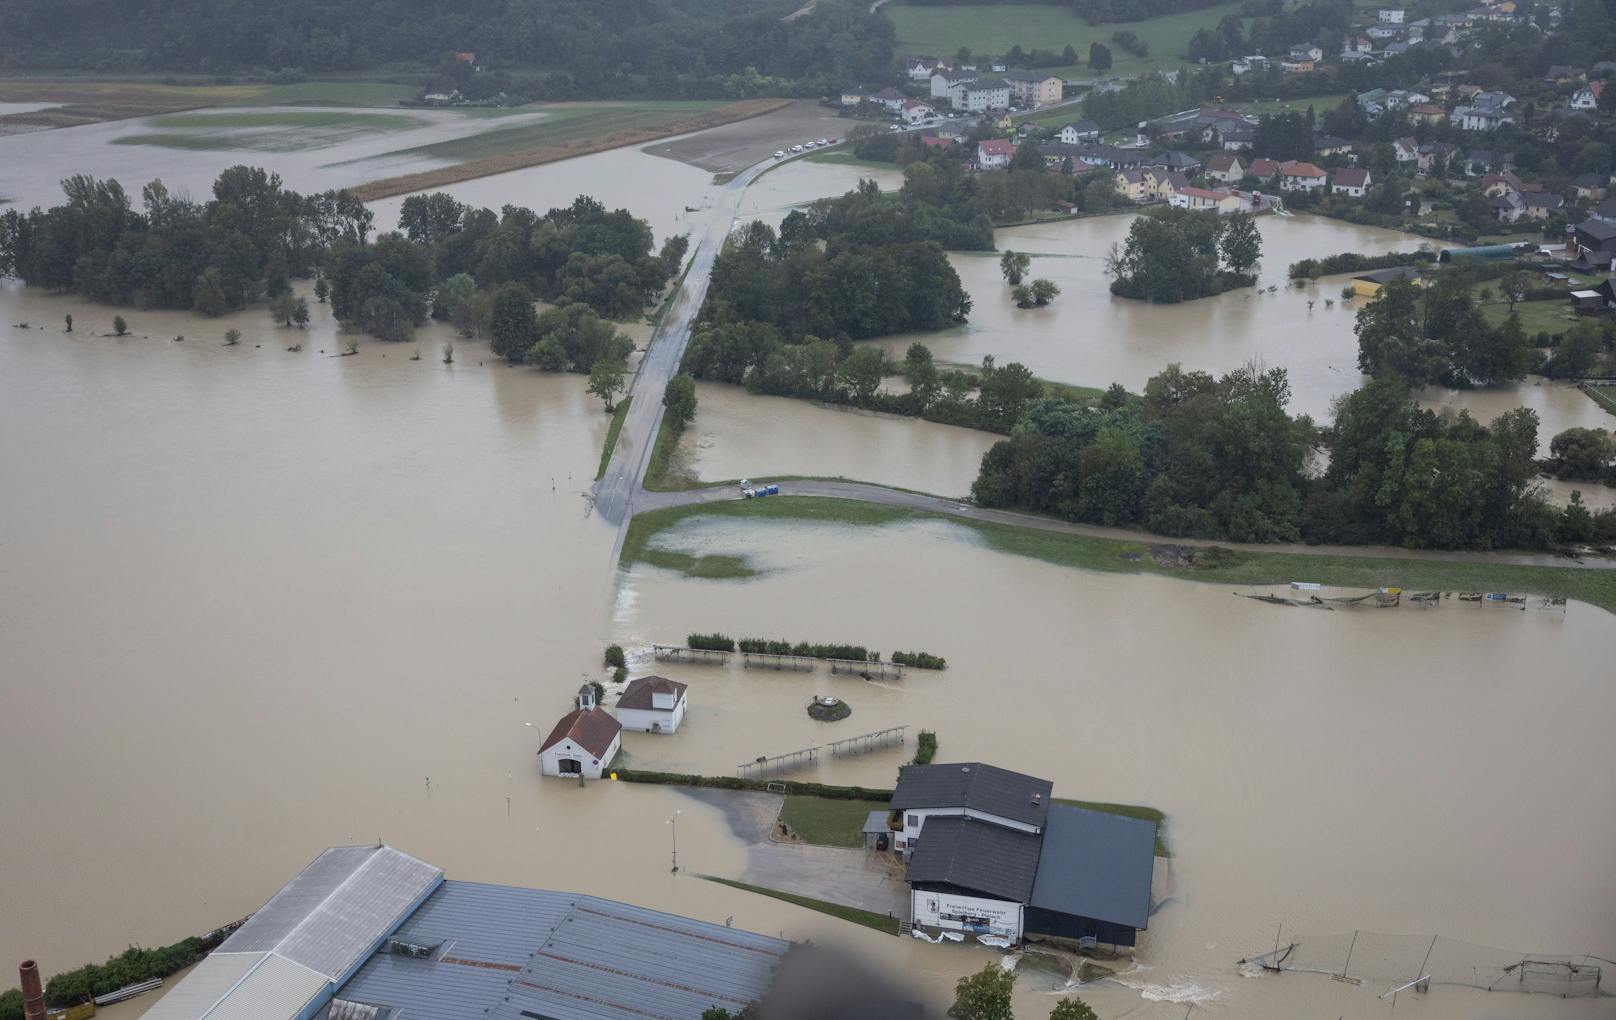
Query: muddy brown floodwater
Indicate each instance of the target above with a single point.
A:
(257, 602)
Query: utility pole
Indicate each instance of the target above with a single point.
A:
(674, 828)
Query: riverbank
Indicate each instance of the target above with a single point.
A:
(1224, 564)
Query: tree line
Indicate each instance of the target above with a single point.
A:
(1198, 456)
(557, 49)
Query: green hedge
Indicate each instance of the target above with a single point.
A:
(858, 653)
(1352, 262)
(11, 1004)
(925, 747)
(761, 785)
(129, 967)
(920, 660)
(711, 642)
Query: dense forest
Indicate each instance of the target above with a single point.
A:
(572, 48)
(1202, 457)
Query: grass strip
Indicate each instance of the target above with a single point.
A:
(826, 822)
(612, 432)
(1600, 397)
(868, 918)
(1241, 567)
(1149, 814)
(404, 184)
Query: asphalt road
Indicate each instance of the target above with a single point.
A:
(615, 493)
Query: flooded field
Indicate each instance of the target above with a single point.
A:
(257, 602)
(802, 181)
(1559, 406)
(1324, 771)
(739, 145)
(737, 435)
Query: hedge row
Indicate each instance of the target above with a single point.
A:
(920, 660)
(711, 642)
(925, 747)
(761, 785)
(858, 653)
(1352, 262)
(129, 967)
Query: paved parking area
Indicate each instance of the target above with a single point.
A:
(854, 878)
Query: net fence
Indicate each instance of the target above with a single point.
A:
(1397, 961)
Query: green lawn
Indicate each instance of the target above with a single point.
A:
(564, 122)
(284, 118)
(1536, 316)
(331, 93)
(1601, 396)
(829, 822)
(1597, 587)
(868, 918)
(844, 157)
(612, 431)
(995, 28)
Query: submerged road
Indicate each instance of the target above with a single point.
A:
(624, 479)
(865, 492)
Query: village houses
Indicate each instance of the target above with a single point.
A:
(1351, 181)
(994, 153)
(1297, 175)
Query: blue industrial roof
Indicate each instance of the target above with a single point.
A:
(1095, 865)
(505, 953)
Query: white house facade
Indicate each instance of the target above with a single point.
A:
(652, 704)
(583, 744)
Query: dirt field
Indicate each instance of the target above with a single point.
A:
(487, 167)
(739, 145)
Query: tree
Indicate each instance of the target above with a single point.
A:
(1241, 246)
(300, 312)
(69, 319)
(1576, 524)
(1014, 266)
(1073, 1009)
(1584, 454)
(606, 380)
(1043, 292)
(1578, 349)
(322, 289)
(921, 371)
(1028, 157)
(282, 307)
(232, 337)
(119, 327)
(1099, 56)
(207, 295)
(679, 397)
(513, 324)
(862, 372)
(1514, 285)
(451, 302)
(984, 995)
(1021, 294)
(1390, 340)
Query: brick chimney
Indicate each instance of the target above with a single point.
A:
(33, 993)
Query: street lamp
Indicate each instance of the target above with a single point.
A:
(674, 824)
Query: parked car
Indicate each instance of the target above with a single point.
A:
(796, 148)
(822, 142)
(779, 153)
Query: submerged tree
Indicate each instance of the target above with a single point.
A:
(606, 380)
(1014, 266)
(119, 327)
(232, 337)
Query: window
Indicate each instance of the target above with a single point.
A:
(912, 822)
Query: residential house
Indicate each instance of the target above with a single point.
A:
(935, 142)
(1175, 161)
(583, 743)
(1486, 111)
(1398, 99)
(1371, 96)
(1430, 113)
(1605, 210)
(652, 704)
(1262, 170)
(1389, 15)
(1312, 53)
(1351, 181)
(1252, 62)
(1032, 89)
(1431, 153)
(1357, 44)
(854, 96)
(1331, 145)
(1482, 161)
(1290, 66)
(1540, 205)
(1356, 57)
(1495, 185)
(1225, 167)
(986, 851)
(994, 153)
(1508, 207)
(1236, 137)
(1395, 49)
(977, 96)
(890, 98)
(1561, 74)
(922, 68)
(943, 81)
(1206, 199)
(914, 111)
(1136, 185)
(1590, 186)
(1369, 284)
(1592, 244)
(1587, 97)
(1406, 150)
(1297, 175)
(1382, 33)
(1082, 131)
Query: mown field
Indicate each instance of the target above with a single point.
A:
(565, 122)
(266, 131)
(91, 100)
(994, 28)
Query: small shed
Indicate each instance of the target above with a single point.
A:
(877, 833)
(1369, 284)
(1587, 302)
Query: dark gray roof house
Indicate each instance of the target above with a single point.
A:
(971, 856)
(984, 789)
(1093, 876)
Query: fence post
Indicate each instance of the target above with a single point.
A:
(1353, 944)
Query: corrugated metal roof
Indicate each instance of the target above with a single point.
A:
(205, 985)
(1095, 865)
(330, 915)
(515, 954)
(275, 990)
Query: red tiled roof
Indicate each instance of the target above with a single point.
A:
(1350, 177)
(590, 728)
(1262, 168)
(996, 147)
(638, 693)
(1297, 168)
(1222, 162)
(934, 142)
(1216, 196)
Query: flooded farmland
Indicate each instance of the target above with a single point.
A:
(257, 602)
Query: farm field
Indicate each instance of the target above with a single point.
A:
(266, 131)
(562, 123)
(91, 100)
(994, 28)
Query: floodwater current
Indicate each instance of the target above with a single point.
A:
(254, 602)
